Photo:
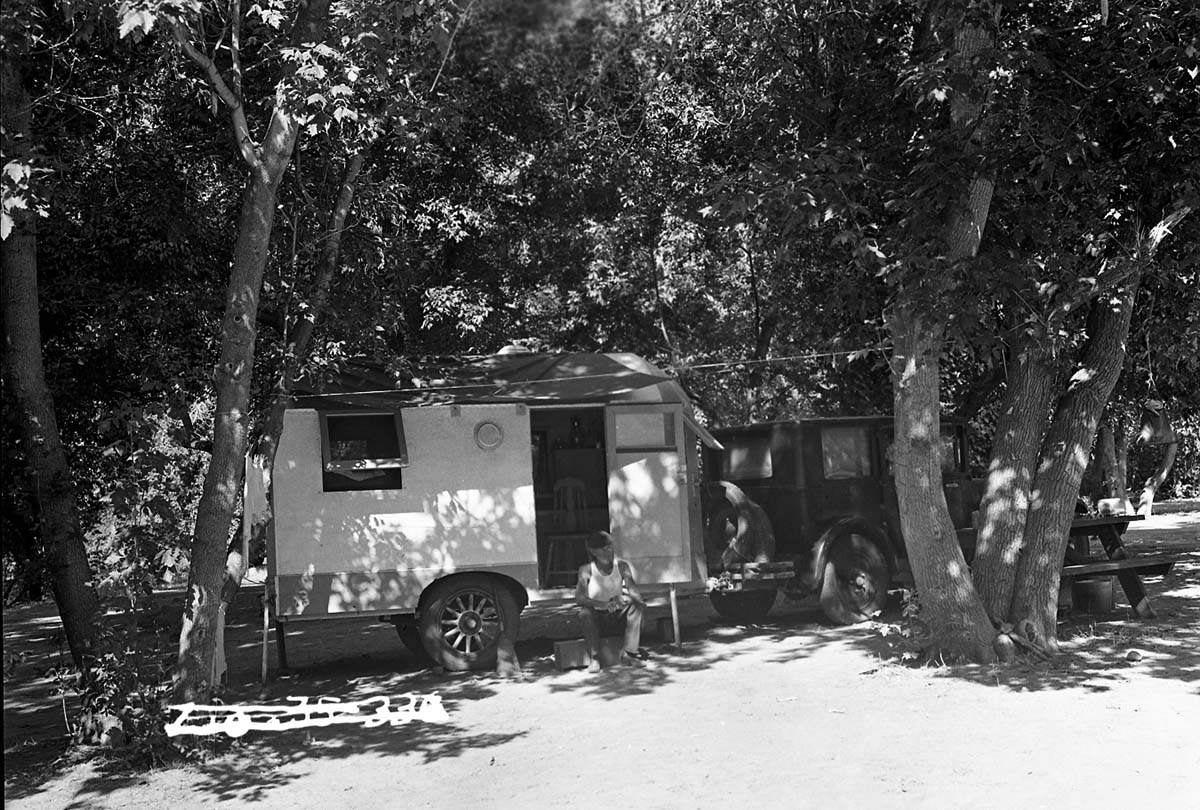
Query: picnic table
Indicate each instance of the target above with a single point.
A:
(1128, 568)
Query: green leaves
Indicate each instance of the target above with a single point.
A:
(138, 17)
(19, 191)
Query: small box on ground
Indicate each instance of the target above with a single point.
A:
(574, 653)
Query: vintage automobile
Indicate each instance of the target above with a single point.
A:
(826, 487)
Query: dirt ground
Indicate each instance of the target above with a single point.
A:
(790, 713)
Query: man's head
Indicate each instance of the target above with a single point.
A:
(600, 547)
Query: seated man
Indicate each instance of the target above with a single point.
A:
(606, 595)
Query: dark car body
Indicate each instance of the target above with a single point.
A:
(809, 474)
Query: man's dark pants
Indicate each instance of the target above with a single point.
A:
(597, 623)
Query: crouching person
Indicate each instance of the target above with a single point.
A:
(607, 597)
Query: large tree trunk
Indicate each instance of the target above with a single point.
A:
(1069, 441)
(949, 603)
(234, 371)
(1002, 511)
(1064, 457)
(222, 484)
(53, 487)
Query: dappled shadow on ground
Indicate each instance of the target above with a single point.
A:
(357, 660)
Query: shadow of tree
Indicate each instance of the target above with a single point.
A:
(354, 661)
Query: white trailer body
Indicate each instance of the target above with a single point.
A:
(376, 499)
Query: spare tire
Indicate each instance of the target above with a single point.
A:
(738, 529)
(856, 579)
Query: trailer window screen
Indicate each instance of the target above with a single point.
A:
(846, 452)
(645, 430)
(362, 451)
(748, 457)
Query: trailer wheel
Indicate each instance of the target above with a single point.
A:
(463, 618)
(743, 606)
(856, 581)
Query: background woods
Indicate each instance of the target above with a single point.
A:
(842, 206)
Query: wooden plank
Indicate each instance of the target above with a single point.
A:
(1146, 566)
(1131, 583)
(1085, 525)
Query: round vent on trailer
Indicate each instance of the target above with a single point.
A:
(488, 435)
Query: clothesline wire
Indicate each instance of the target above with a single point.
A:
(786, 359)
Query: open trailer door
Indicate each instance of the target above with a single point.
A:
(647, 490)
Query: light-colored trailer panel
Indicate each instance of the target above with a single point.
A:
(462, 507)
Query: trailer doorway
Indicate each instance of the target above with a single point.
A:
(570, 486)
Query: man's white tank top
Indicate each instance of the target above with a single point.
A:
(604, 587)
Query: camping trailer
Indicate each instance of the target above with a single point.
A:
(446, 507)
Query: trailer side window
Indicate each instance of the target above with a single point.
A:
(846, 452)
(362, 451)
(645, 430)
(748, 457)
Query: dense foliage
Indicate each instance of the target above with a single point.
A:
(731, 188)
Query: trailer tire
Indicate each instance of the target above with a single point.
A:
(747, 607)
(462, 620)
(856, 580)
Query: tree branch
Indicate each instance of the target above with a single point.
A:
(235, 45)
(232, 100)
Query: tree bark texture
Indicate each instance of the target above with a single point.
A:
(232, 381)
(1111, 460)
(1024, 412)
(949, 603)
(59, 534)
(1064, 457)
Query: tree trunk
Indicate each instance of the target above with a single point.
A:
(1146, 502)
(1112, 450)
(949, 603)
(1069, 441)
(1064, 457)
(234, 371)
(53, 487)
(1121, 471)
(1002, 511)
(222, 484)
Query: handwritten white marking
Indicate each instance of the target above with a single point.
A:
(235, 720)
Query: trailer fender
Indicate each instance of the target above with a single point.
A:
(519, 594)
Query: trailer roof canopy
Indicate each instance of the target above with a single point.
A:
(581, 377)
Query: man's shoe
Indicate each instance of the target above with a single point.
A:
(593, 666)
(640, 654)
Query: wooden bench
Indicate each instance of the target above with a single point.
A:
(1148, 565)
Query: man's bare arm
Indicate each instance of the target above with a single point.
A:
(631, 586)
